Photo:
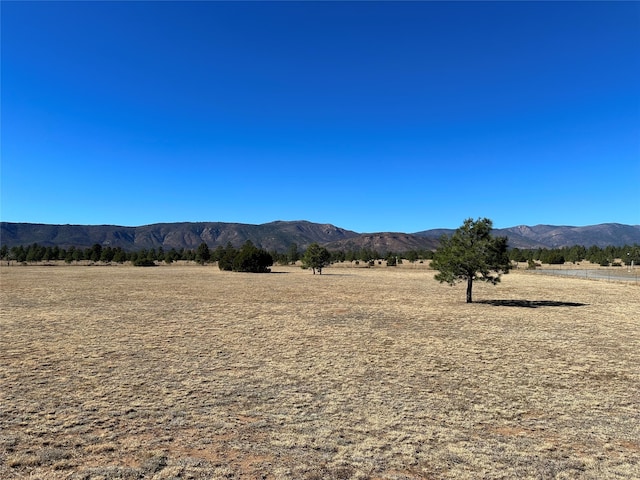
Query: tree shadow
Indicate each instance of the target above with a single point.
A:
(530, 303)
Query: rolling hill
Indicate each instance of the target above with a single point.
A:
(550, 236)
(271, 236)
(279, 235)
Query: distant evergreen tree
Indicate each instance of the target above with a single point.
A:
(35, 253)
(338, 256)
(293, 255)
(411, 255)
(119, 255)
(95, 252)
(19, 253)
(144, 261)
(203, 255)
(252, 259)
(226, 257)
(517, 255)
(316, 258)
(107, 254)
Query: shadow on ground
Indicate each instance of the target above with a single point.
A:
(531, 303)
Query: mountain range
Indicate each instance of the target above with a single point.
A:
(279, 235)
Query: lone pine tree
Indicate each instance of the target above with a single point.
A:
(470, 254)
(316, 258)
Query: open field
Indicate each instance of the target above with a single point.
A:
(190, 372)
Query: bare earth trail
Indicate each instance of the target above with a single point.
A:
(185, 371)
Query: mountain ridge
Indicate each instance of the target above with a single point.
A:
(279, 235)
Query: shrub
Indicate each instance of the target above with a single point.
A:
(252, 259)
(143, 262)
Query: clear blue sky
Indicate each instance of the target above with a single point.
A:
(370, 116)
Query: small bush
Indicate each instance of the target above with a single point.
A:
(144, 262)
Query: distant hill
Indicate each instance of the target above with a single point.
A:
(385, 242)
(271, 236)
(280, 235)
(550, 236)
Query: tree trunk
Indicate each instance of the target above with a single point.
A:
(469, 287)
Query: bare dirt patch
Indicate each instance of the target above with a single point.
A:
(190, 372)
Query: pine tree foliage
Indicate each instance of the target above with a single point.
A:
(316, 258)
(471, 254)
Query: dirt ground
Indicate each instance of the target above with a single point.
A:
(185, 371)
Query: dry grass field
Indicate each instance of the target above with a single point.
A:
(383, 373)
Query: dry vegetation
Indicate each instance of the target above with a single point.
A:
(190, 372)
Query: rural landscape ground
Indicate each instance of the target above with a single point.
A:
(185, 371)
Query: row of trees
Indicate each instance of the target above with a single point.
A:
(97, 253)
(601, 256)
(203, 254)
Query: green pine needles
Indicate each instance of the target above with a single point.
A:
(470, 254)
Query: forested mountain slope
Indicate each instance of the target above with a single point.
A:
(280, 235)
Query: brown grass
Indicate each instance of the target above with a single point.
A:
(190, 372)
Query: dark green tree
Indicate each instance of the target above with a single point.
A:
(632, 255)
(143, 261)
(470, 254)
(252, 259)
(226, 257)
(19, 253)
(171, 256)
(203, 255)
(107, 254)
(338, 256)
(35, 253)
(411, 255)
(95, 252)
(350, 256)
(517, 255)
(293, 255)
(119, 255)
(316, 258)
(575, 254)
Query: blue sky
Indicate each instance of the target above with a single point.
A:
(372, 116)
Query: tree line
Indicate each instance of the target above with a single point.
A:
(96, 253)
(225, 255)
(203, 254)
(557, 256)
